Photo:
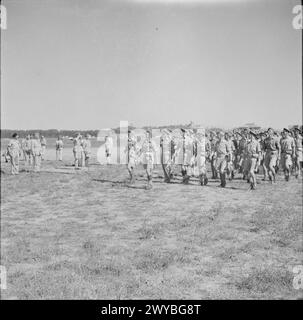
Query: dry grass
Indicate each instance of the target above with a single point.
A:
(88, 235)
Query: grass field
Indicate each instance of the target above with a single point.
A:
(89, 235)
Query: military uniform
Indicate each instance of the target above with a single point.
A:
(78, 151)
(166, 155)
(59, 150)
(148, 150)
(14, 152)
(131, 156)
(287, 153)
(222, 152)
(86, 145)
(298, 153)
(43, 147)
(253, 152)
(213, 140)
(272, 154)
(36, 150)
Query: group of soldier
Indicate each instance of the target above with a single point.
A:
(33, 148)
(229, 153)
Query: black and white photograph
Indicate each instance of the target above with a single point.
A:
(151, 150)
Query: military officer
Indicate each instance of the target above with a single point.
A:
(298, 159)
(86, 145)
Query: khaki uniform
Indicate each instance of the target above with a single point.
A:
(253, 151)
(148, 150)
(272, 152)
(86, 145)
(43, 148)
(78, 152)
(36, 150)
(212, 157)
(14, 152)
(287, 152)
(59, 150)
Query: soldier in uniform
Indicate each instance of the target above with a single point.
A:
(298, 160)
(288, 150)
(243, 163)
(148, 150)
(86, 145)
(166, 154)
(201, 155)
(36, 150)
(59, 149)
(132, 156)
(230, 167)
(77, 150)
(222, 153)
(43, 146)
(27, 150)
(213, 141)
(272, 154)
(14, 153)
(253, 158)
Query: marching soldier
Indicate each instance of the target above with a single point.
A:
(213, 141)
(59, 149)
(243, 156)
(201, 154)
(86, 145)
(253, 158)
(36, 150)
(148, 150)
(222, 153)
(299, 152)
(288, 150)
(272, 154)
(14, 153)
(230, 168)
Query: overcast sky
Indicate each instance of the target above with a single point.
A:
(71, 64)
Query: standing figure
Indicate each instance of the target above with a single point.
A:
(59, 149)
(27, 151)
(108, 148)
(131, 150)
(299, 152)
(166, 154)
(77, 150)
(213, 140)
(43, 147)
(36, 150)
(288, 150)
(148, 150)
(14, 153)
(253, 157)
(201, 155)
(86, 145)
(243, 156)
(272, 154)
(222, 153)
(187, 155)
(230, 166)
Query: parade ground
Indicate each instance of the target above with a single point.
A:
(68, 234)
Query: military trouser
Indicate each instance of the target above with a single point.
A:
(252, 165)
(36, 162)
(221, 163)
(213, 167)
(270, 160)
(286, 163)
(59, 154)
(149, 172)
